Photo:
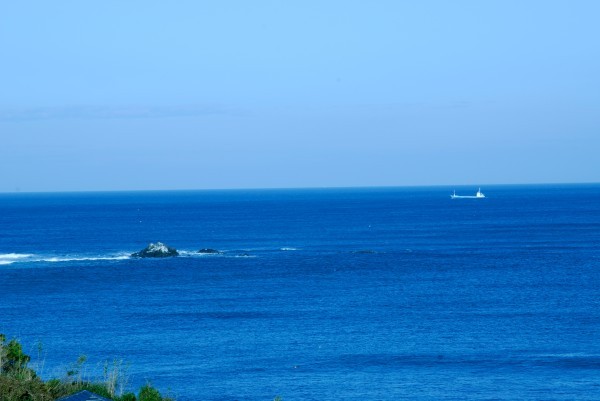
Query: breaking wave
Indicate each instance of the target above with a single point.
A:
(79, 259)
(10, 258)
(196, 254)
(219, 254)
(29, 258)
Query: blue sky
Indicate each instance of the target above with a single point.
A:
(115, 95)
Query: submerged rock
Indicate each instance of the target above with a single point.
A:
(156, 250)
(209, 250)
(365, 251)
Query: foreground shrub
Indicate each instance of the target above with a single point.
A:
(20, 383)
(15, 389)
(128, 397)
(149, 393)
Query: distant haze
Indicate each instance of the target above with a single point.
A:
(126, 95)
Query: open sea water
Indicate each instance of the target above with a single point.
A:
(321, 294)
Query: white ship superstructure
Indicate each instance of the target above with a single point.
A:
(478, 195)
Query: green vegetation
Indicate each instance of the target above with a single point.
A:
(18, 382)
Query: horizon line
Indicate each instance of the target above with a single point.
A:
(293, 188)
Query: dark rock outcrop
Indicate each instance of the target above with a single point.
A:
(365, 251)
(209, 250)
(156, 250)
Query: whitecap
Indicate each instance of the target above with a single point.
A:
(196, 254)
(55, 259)
(14, 256)
(10, 258)
(288, 249)
(186, 253)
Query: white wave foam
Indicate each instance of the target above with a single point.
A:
(288, 249)
(196, 254)
(55, 259)
(14, 256)
(10, 258)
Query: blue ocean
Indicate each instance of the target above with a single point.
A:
(317, 294)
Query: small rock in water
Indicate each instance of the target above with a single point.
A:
(209, 250)
(365, 251)
(156, 250)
